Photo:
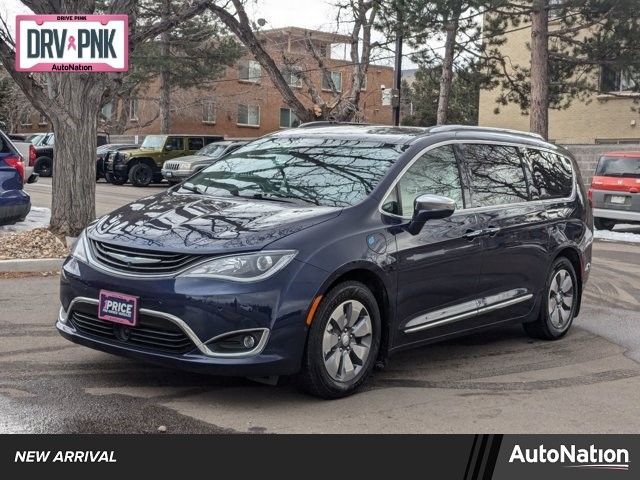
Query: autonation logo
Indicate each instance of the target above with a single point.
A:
(573, 457)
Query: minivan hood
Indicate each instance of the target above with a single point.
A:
(202, 224)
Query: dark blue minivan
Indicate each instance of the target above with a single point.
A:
(15, 203)
(320, 251)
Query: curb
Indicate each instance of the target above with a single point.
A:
(31, 265)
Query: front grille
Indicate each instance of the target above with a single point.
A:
(139, 261)
(151, 333)
(171, 166)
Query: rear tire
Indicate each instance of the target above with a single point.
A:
(43, 166)
(559, 303)
(141, 175)
(343, 342)
(114, 179)
(604, 223)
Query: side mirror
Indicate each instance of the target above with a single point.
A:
(168, 148)
(429, 207)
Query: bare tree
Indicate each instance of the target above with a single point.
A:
(341, 106)
(72, 101)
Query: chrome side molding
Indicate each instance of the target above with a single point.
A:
(467, 309)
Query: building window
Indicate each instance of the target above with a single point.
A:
(132, 109)
(615, 81)
(324, 50)
(43, 120)
(336, 77)
(288, 119)
(365, 82)
(25, 118)
(292, 76)
(555, 8)
(208, 112)
(250, 71)
(107, 111)
(249, 115)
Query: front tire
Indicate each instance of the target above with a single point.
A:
(559, 303)
(604, 223)
(115, 179)
(141, 175)
(343, 342)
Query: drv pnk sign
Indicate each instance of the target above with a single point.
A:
(72, 43)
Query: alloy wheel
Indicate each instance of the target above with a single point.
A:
(561, 299)
(346, 341)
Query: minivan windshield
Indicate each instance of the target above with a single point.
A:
(153, 141)
(320, 171)
(618, 167)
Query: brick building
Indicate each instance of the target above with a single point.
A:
(607, 117)
(245, 103)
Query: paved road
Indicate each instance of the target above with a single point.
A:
(108, 197)
(499, 381)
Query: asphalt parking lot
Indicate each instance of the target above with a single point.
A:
(108, 197)
(497, 381)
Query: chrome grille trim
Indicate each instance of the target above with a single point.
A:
(171, 166)
(140, 263)
(64, 317)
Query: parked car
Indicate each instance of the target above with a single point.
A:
(143, 166)
(175, 171)
(103, 151)
(15, 203)
(39, 138)
(615, 190)
(44, 152)
(321, 251)
(27, 152)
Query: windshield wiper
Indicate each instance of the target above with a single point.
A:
(191, 188)
(277, 198)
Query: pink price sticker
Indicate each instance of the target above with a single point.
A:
(72, 43)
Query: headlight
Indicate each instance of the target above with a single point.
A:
(79, 250)
(244, 268)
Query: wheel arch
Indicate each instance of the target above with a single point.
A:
(372, 277)
(572, 254)
(147, 160)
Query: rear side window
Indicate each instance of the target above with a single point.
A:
(176, 143)
(195, 143)
(551, 175)
(435, 172)
(496, 173)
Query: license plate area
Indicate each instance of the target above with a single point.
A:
(618, 199)
(118, 308)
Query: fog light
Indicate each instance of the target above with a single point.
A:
(248, 341)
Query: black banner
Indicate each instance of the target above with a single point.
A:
(459, 457)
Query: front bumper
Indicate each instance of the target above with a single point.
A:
(204, 310)
(176, 175)
(623, 215)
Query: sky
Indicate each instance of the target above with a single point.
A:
(312, 14)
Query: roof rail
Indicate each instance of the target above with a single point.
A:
(329, 123)
(449, 128)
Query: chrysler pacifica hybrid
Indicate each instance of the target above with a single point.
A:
(321, 251)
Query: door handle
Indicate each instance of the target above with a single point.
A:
(471, 234)
(491, 231)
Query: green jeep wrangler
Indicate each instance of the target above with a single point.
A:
(144, 165)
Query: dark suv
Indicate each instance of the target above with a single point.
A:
(321, 251)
